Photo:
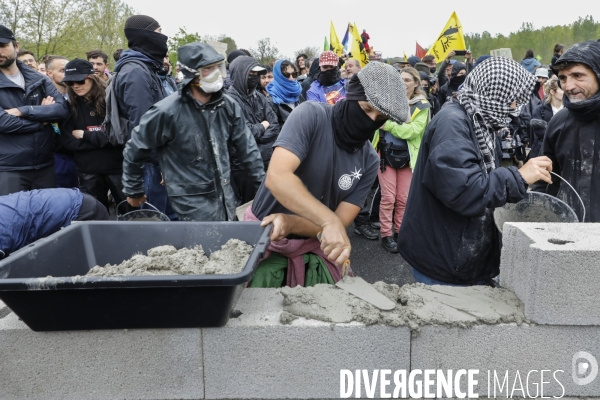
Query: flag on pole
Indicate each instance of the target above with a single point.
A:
(345, 39)
(420, 52)
(326, 44)
(334, 42)
(451, 38)
(357, 49)
(405, 57)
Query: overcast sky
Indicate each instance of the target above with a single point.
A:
(394, 26)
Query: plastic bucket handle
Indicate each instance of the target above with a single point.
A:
(146, 203)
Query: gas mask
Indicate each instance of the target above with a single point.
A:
(213, 82)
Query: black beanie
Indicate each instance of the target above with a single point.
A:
(142, 22)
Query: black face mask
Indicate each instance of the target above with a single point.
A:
(152, 44)
(352, 127)
(253, 82)
(457, 81)
(432, 70)
(329, 77)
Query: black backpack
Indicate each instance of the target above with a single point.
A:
(115, 127)
(394, 151)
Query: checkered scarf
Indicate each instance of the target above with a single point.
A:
(487, 94)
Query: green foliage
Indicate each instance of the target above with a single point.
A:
(68, 28)
(184, 37)
(265, 51)
(541, 41)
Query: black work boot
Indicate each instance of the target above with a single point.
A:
(366, 231)
(389, 244)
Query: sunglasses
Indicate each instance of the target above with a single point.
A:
(71, 83)
(290, 75)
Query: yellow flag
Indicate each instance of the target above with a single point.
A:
(357, 49)
(334, 42)
(452, 38)
(405, 57)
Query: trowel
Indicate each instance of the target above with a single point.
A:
(363, 290)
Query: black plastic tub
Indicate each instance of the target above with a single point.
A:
(179, 301)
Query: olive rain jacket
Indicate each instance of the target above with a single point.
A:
(448, 231)
(192, 142)
(25, 142)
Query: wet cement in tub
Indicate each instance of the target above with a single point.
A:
(167, 260)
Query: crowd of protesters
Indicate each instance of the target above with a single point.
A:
(404, 149)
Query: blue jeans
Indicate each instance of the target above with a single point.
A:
(156, 193)
(422, 278)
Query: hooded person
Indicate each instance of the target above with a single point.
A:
(571, 136)
(457, 77)
(230, 58)
(328, 86)
(313, 70)
(321, 172)
(448, 235)
(137, 86)
(197, 178)
(260, 119)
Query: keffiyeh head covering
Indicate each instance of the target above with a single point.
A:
(385, 90)
(487, 95)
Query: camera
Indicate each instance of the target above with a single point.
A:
(511, 144)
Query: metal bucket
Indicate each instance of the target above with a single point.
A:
(535, 207)
(142, 214)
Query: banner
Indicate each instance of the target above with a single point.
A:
(334, 42)
(452, 38)
(345, 39)
(357, 49)
(420, 52)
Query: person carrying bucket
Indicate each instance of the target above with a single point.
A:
(571, 137)
(448, 234)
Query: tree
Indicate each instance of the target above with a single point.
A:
(66, 27)
(265, 51)
(310, 51)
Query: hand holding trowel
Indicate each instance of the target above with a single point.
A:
(361, 289)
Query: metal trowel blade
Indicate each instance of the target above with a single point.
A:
(363, 290)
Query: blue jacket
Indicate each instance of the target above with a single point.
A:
(530, 63)
(28, 216)
(25, 142)
(318, 92)
(448, 231)
(136, 88)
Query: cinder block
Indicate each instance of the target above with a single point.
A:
(255, 356)
(554, 269)
(4, 310)
(511, 348)
(109, 364)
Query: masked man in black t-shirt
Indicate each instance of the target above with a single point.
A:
(320, 174)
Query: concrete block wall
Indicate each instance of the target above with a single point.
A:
(110, 364)
(255, 356)
(555, 270)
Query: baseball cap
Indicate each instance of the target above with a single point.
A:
(77, 70)
(258, 68)
(541, 72)
(6, 35)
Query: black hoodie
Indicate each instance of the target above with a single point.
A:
(255, 107)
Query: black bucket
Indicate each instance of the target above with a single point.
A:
(151, 214)
(535, 207)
